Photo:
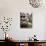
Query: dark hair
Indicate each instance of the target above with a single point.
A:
(34, 35)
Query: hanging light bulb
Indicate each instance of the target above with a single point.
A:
(35, 3)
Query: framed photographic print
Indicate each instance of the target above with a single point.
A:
(25, 20)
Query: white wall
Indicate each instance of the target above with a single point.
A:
(12, 8)
(39, 23)
(45, 28)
